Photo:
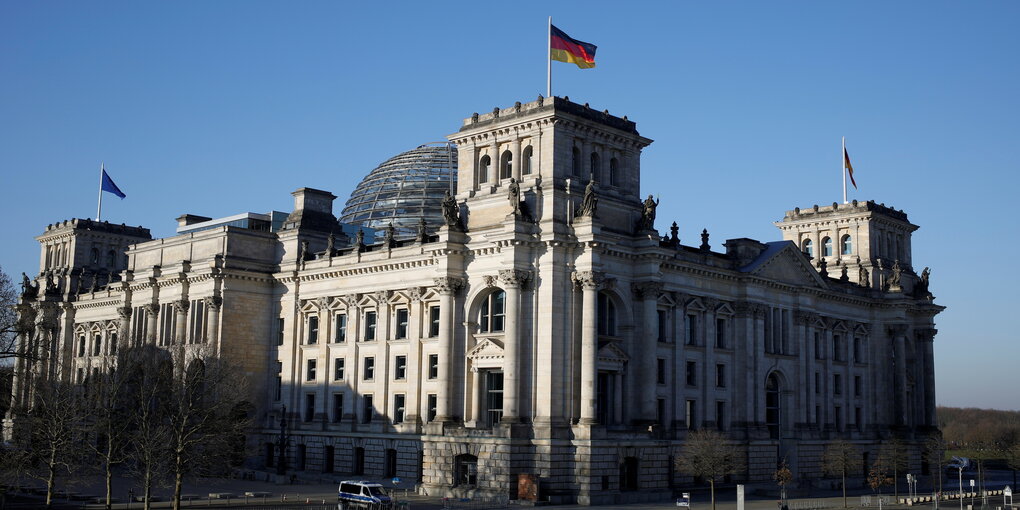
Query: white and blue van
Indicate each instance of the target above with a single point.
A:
(362, 494)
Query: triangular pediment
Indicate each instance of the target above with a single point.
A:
(488, 348)
(784, 263)
(612, 353)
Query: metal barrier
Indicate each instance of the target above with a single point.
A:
(479, 503)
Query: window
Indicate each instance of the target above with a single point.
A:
(826, 247)
(818, 382)
(401, 323)
(494, 396)
(526, 160)
(857, 418)
(433, 321)
(606, 315)
(95, 256)
(857, 385)
(818, 414)
(433, 366)
(398, 408)
(857, 350)
(492, 312)
(846, 246)
(81, 345)
(338, 407)
(97, 345)
(506, 164)
(390, 470)
(720, 376)
(689, 417)
(663, 325)
(310, 372)
(330, 459)
(660, 411)
(400, 368)
(692, 373)
(838, 418)
(340, 334)
(660, 372)
(338, 369)
(309, 407)
(279, 380)
(720, 333)
(369, 326)
(81, 375)
(614, 172)
(113, 343)
(465, 470)
(809, 248)
(369, 368)
(837, 384)
(431, 401)
(691, 330)
(575, 167)
(367, 409)
(313, 330)
(359, 463)
(596, 165)
(279, 331)
(837, 348)
(720, 415)
(483, 169)
(772, 406)
(819, 353)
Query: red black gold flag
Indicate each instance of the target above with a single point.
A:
(849, 169)
(564, 48)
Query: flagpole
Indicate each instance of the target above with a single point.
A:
(548, 62)
(99, 210)
(842, 158)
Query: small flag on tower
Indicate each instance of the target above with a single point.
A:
(110, 187)
(849, 169)
(564, 48)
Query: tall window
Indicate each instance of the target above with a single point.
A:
(494, 396)
(369, 326)
(689, 414)
(401, 323)
(339, 364)
(279, 331)
(310, 371)
(720, 333)
(692, 373)
(398, 408)
(827, 247)
(433, 366)
(772, 405)
(433, 321)
(483, 169)
(857, 350)
(492, 312)
(837, 384)
(596, 164)
(837, 348)
(847, 246)
(338, 407)
(367, 409)
(506, 165)
(113, 343)
(81, 345)
(97, 345)
(606, 315)
(663, 316)
(341, 328)
(720, 415)
(614, 172)
(691, 329)
(313, 330)
(720, 376)
(431, 402)
(400, 368)
(857, 385)
(576, 162)
(809, 248)
(660, 371)
(309, 406)
(526, 160)
(369, 368)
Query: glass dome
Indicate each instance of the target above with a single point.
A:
(404, 189)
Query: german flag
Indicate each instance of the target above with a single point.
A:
(849, 168)
(564, 48)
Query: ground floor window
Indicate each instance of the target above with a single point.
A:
(391, 463)
(466, 470)
(629, 474)
(329, 460)
(359, 461)
(270, 455)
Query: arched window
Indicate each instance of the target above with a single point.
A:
(111, 259)
(809, 248)
(772, 405)
(576, 161)
(614, 172)
(529, 152)
(95, 256)
(596, 165)
(606, 315)
(506, 162)
(483, 169)
(847, 245)
(827, 247)
(491, 316)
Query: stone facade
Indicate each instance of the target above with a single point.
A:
(548, 329)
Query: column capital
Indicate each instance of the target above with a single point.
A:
(448, 284)
(647, 290)
(383, 296)
(151, 309)
(124, 312)
(514, 277)
(182, 305)
(802, 317)
(213, 303)
(416, 293)
(926, 334)
(591, 280)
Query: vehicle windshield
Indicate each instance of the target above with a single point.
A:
(376, 491)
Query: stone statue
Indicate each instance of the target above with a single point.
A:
(388, 237)
(704, 240)
(26, 284)
(450, 211)
(330, 241)
(647, 221)
(514, 195)
(921, 287)
(843, 276)
(823, 268)
(359, 240)
(589, 202)
(303, 251)
(894, 278)
(864, 279)
(422, 232)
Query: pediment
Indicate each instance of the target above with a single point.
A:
(612, 353)
(488, 348)
(724, 309)
(786, 264)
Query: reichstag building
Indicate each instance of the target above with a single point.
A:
(507, 304)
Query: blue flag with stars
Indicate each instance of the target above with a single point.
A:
(110, 187)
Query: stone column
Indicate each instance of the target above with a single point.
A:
(517, 163)
(124, 327)
(181, 321)
(212, 308)
(899, 335)
(493, 177)
(927, 339)
(151, 314)
(646, 365)
(477, 401)
(415, 363)
(447, 287)
(618, 397)
(512, 280)
(590, 282)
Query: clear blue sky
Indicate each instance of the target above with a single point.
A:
(216, 108)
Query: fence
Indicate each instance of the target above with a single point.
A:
(476, 503)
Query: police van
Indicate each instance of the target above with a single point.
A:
(362, 494)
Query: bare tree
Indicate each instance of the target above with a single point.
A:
(10, 326)
(895, 456)
(841, 458)
(783, 477)
(1012, 454)
(935, 452)
(148, 372)
(878, 475)
(707, 454)
(111, 420)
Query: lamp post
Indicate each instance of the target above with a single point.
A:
(281, 467)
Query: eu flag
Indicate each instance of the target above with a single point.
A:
(109, 186)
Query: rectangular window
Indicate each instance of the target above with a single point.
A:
(837, 348)
(279, 331)
(819, 353)
(433, 366)
(367, 409)
(818, 382)
(433, 321)
(660, 372)
(97, 345)
(660, 411)
(279, 380)
(720, 333)
(431, 401)
(340, 334)
(310, 372)
(689, 417)
(309, 407)
(398, 408)
(818, 414)
(369, 368)
(663, 326)
(339, 364)
(113, 343)
(338, 407)
(81, 345)
(857, 385)
(691, 330)
(313, 330)
(401, 323)
(837, 384)
(369, 326)
(838, 418)
(692, 373)
(720, 376)
(857, 350)
(400, 368)
(720, 415)
(857, 418)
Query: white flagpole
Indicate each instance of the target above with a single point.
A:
(842, 158)
(99, 210)
(548, 62)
